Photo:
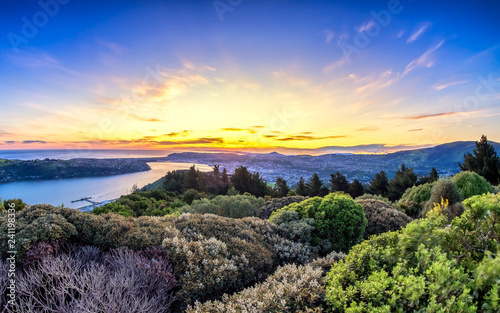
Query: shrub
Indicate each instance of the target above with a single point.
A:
(289, 289)
(418, 194)
(447, 190)
(375, 197)
(87, 280)
(229, 206)
(382, 217)
(191, 194)
(33, 224)
(19, 205)
(276, 204)
(214, 255)
(470, 184)
(427, 266)
(326, 263)
(339, 222)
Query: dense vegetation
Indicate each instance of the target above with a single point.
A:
(209, 242)
(18, 170)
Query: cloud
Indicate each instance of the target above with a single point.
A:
(9, 142)
(425, 60)
(368, 25)
(34, 141)
(233, 129)
(446, 85)
(111, 46)
(144, 119)
(39, 60)
(384, 80)
(335, 65)
(329, 35)
(400, 34)
(175, 134)
(152, 140)
(419, 32)
(368, 129)
(303, 137)
(415, 130)
(428, 116)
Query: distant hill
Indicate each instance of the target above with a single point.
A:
(443, 157)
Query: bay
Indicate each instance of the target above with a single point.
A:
(63, 191)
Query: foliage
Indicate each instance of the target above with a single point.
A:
(244, 181)
(356, 189)
(191, 195)
(339, 222)
(447, 190)
(338, 182)
(379, 185)
(174, 181)
(382, 217)
(276, 204)
(290, 289)
(426, 267)
(315, 187)
(139, 203)
(18, 204)
(281, 189)
(418, 194)
(229, 206)
(484, 161)
(301, 189)
(375, 197)
(470, 184)
(85, 279)
(404, 179)
(326, 263)
(215, 255)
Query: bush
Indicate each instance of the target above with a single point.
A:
(470, 184)
(326, 263)
(375, 197)
(339, 222)
(445, 189)
(214, 255)
(289, 289)
(191, 194)
(427, 266)
(229, 206)
(85, 279)
(19, 205)
(418, 194)
(276, 204)
(382, 217)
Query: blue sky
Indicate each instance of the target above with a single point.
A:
(248, 74)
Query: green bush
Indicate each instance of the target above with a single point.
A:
(470, 184)
(276, 204)
(339, 222)
(229, 206)
(375, 197)
(418, 194)
(445, 189)
(289, 289)
(427, 266)
(382, 217)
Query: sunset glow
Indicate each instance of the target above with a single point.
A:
(263, 76)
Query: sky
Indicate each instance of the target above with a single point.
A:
(241, 75)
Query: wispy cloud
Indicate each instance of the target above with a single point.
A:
(335, 65)
(415, 130)
(34, 141)
(442, 86)
(329, 35)
(419, 32)
(144, 119)
(368, 25)
(425, 60)
(304, 137)
(234, 129)
(429, 116)
(368, 129)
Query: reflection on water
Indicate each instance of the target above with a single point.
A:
(59, 191)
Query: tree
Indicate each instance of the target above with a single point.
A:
(356, 189)
(192, 179)
(484, 161)
(301, 189)
(434, 175)
(314, 185)
(404, 179)
(174, 181)
(338, 182)
(281, 189)
(379, 185)
(244, 181)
